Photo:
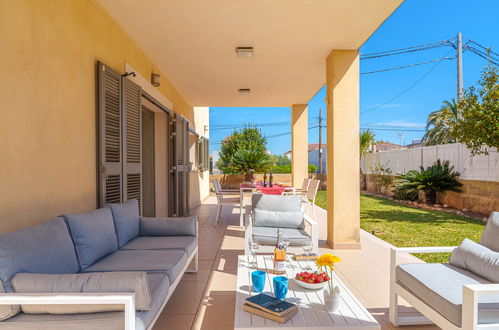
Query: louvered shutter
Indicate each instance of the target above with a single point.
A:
(110, 136)
(132, 141)
(181, 166)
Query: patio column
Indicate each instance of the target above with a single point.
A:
(299, 143)
(343, 193)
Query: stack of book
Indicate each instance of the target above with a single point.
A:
(271, 308)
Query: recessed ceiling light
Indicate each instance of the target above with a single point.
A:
(244, 91)
(244, 52)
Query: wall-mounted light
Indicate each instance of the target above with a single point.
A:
(155, 79)
(244, 91)
(244, 52)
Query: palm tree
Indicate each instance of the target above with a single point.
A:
(440, 124)
(248, 162)
(365, 141)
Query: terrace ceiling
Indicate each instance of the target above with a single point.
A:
(193, 43)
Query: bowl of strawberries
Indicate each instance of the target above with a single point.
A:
(312, 280)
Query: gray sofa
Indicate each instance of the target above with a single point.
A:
(461, 294)
(79, 250)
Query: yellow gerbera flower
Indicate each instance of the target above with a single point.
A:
(327, 260)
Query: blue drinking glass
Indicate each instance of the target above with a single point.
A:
(258, 279)
(280, 287)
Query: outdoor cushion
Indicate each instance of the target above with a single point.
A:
(126, 220)
(440, 287)
(490, 235)
(277, 211)
(478, 259)
(159, 285)
(168, 226)
(170, 261)
(268, 236)
(46, 248)
(7, 311)
(93, 235)
(115, 282)
(186, 243)
(94, 321)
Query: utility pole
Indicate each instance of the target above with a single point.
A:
(459, 57)
(320, 141)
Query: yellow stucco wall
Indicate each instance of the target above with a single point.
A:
(48, 111)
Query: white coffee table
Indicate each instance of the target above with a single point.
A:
(311, 313)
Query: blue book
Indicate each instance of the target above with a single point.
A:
(271, 305)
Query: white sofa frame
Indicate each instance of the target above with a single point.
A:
(430, 316)
(127, 299)
(248, 232)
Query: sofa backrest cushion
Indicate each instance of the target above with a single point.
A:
(126, 220)
(478, 259)
(277, 211)
(45, 248)
(490, 235)
(107, 282)
(93, 235)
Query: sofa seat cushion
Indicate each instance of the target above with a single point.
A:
(186, 243)
(169, 261)
(113, 282)
(440, 286)
(268, 235)
(94, 321)
(159, 285)
(93, 234)
(126, 220)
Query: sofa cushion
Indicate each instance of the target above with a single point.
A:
(441, 286)
(490, 235)
(186, 243)
(186, 226)
(8, 311)
(93, 235)
(46, 248)
(268, 236)
(126, 220)
(277, 211)
(159, 285)
(115, 282)
(478, 259)
(168, 261)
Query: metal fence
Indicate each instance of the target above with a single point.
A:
(479, 167)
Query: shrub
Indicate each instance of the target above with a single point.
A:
(286, 168)
(312, 168)
(438, 177)
(404, 194)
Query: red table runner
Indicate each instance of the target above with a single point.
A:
(274, 190)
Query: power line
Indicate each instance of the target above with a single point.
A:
(365, 57)
(410, 65)
(401, 50)
(408, 88)
(488, 49)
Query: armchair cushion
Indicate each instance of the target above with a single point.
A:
(268, 235)
(168, 226)
(478, 259)
(490, 235)
(126, 220)
(93, 235)
(115, 282)
(441, 287)
(277, 211)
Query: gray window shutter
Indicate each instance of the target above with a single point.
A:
(110, 177)
(201, 154)
(181, 166)
(132, 141)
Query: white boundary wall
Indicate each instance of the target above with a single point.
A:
(479, 167)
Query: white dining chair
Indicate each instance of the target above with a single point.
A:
(225, 197)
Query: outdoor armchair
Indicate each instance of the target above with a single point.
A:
(268, 213)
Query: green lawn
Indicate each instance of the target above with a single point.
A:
(402, 226)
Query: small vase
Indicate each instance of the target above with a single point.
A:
(332, 299)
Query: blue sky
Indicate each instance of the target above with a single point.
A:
(415, 22)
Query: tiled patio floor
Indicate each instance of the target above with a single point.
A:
(206, 300)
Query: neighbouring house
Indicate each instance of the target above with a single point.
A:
(313, 155)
